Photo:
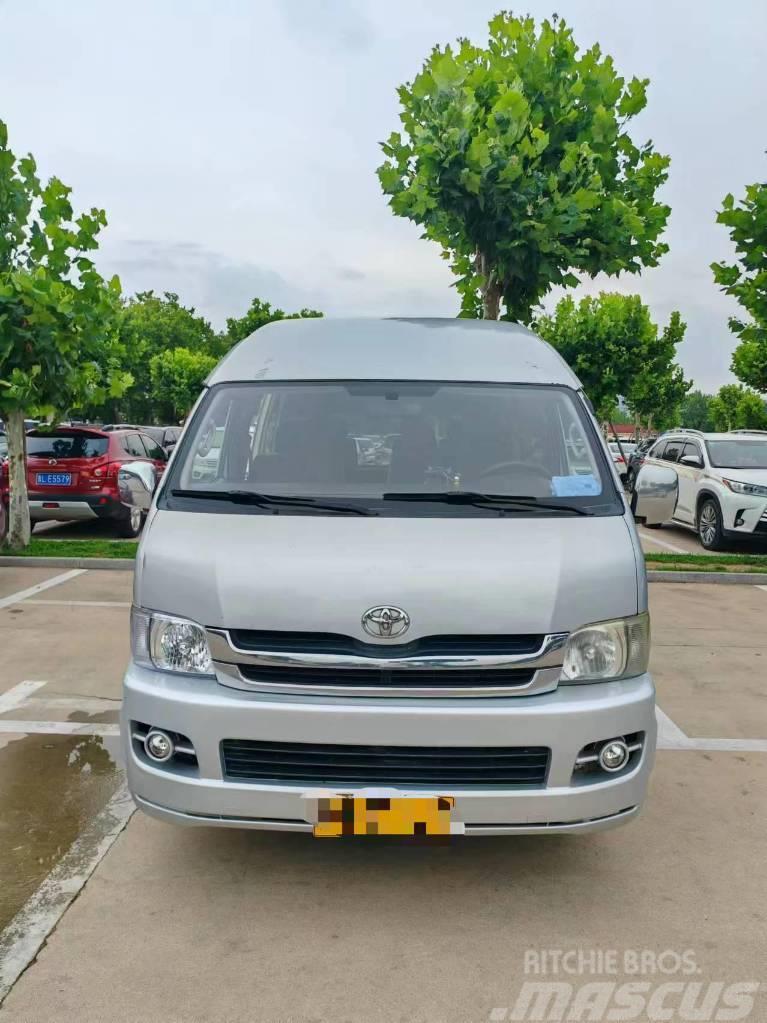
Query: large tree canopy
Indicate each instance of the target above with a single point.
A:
(735, 407)
(746, 280)
(695, 412)
(517, 160)
(57, 315)
(150, 325)
(611, 342)
(177, 376)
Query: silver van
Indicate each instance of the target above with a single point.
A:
(389, 583)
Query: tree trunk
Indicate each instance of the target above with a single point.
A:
(18, 505)
(491, 289)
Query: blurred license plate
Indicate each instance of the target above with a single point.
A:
(339, 816)
(54, 479)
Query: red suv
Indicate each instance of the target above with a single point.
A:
(72, 474)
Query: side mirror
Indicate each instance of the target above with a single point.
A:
(655, 494)
(694, 461)
(136, 482)
(169, 446)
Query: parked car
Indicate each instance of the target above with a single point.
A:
(714, 483)
(619, 458)
(166, 436)
(3, 447)
(465, 621)
(636, 460)
(72, 474)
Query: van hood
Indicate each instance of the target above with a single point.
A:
(309, 573)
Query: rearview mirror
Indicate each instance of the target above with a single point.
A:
(694, 461)
(655, 494)
(136, 482)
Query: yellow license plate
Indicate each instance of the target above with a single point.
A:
(339, 816)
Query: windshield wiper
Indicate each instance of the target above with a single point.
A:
(273, 500)
(503, 502)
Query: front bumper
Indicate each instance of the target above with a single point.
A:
(565, 720)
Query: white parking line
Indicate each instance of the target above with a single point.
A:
(662, 543)
(21, 727)
(671, 737)
(25, 935)
(81, 603)
(16, 598)
(13, 698)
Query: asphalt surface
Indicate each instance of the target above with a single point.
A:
(206, 925)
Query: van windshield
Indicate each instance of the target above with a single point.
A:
(391, 447)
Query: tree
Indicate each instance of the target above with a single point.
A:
(150, 325)
(517, 160)
(695, 411)
(258, 315)
(177, 376)
(57, 314)
(612, 345)
(737, 408)
(746, 280)
(658, 385)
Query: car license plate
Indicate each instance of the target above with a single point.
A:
(54, 479)
(338, 816)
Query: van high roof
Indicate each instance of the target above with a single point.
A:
(395, 349)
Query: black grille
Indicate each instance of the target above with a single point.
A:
(298, 763)
(405, 678)
(427, 646)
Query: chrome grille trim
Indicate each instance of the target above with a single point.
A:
(545, 663)
(222, 649)
(544, 680)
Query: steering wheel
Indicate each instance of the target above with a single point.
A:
(501, 467)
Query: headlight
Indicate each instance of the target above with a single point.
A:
(608, 650)
(168, 643)
(746, 488)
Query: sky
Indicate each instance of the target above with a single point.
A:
(233, 143)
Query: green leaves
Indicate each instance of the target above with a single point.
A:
(746, 280)
(613, 346)
(519, 153)
(446, 73)
(177, 376)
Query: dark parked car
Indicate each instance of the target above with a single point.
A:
(72, 474)
(636, 458)
(166, 436)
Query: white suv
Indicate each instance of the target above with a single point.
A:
(721, 482)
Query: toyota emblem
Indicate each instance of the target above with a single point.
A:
(385, 622)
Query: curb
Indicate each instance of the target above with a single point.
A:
(726, 578)
(127, 564)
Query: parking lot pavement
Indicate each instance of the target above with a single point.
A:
(200, 924)
(672, 539)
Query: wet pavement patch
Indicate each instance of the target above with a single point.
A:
(50, 787)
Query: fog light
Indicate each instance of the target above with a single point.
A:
(613, 755)
(158, 745)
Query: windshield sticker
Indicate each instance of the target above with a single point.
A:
(575, 486)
